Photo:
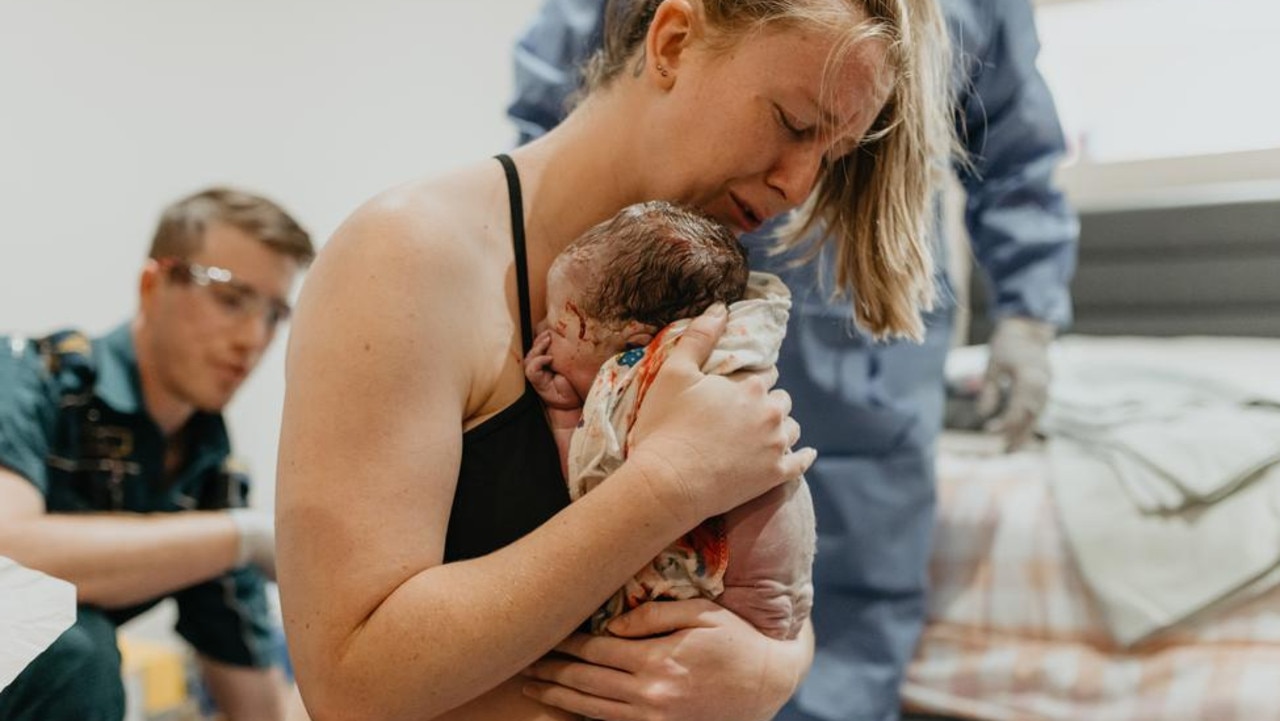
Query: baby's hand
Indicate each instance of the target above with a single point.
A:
(553, 388)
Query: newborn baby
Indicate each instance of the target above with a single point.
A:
(615, 298)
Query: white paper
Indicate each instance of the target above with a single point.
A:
(34, 610)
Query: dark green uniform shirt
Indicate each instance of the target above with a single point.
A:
(73, 423)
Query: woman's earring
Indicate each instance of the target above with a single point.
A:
(662, 70)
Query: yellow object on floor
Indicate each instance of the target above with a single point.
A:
(161, 670)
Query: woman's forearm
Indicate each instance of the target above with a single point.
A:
(791, 665)
(484, 610)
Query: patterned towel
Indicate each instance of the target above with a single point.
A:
(770, 586)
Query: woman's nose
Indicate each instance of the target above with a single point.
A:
(796, 172)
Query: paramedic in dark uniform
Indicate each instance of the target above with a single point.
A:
(116, 473)
(874, 410)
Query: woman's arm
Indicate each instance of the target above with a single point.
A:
(675, 661)
(384, 362)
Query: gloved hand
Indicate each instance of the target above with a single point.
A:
(1017, 374)
(257, 539)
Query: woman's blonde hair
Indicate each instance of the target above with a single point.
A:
(874, 205)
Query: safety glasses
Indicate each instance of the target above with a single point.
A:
(233, 297)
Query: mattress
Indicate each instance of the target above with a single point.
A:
(1013, 631)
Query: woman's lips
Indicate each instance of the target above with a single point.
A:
(746, 218)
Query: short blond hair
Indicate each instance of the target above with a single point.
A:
(180, 231)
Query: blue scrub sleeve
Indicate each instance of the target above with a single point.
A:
(1023, 231)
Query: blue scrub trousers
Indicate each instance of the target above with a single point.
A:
(874, 412)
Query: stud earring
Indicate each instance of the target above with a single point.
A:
(662, 70)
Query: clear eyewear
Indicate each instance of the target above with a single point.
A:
(235, 297)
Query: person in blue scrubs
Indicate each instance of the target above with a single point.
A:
(873, 410)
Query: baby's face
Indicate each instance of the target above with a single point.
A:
(579, 345)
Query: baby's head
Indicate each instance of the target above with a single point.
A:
(626, 278)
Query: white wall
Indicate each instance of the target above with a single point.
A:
(1165, 101)
(110, 110)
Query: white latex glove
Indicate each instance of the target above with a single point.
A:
(257, 540)
(1017, 373)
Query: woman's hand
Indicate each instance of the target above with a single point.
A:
(709, 443)
(672, 661)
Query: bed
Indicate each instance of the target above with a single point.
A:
(1020, 627)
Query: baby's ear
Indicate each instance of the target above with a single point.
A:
(637, 335)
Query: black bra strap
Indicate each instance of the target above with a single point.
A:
(517, 241)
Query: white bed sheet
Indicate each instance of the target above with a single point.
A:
(1014, 633)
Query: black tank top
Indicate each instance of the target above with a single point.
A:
(510, 480)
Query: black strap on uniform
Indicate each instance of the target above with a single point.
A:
(517, 241)
(69, 351)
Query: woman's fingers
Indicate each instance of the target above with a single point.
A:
(688, 660)
(712, 442)
(656, 619)
(795, 464)
(782, 399)
(699, 338)
(582, 704)
(792, 428)
(766, 377)
(590, 678)
(606, 650)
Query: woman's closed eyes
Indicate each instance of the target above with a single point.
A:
(794, 128)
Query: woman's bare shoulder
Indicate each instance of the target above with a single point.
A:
(445, 222)
(426, 246)
(430, 255)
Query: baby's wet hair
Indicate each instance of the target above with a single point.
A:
(655, 263)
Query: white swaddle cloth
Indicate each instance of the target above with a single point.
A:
(1165, 467)
(769, 580)
(34, 610)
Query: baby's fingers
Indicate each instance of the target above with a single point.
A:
(541, 343)
(536, 364)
